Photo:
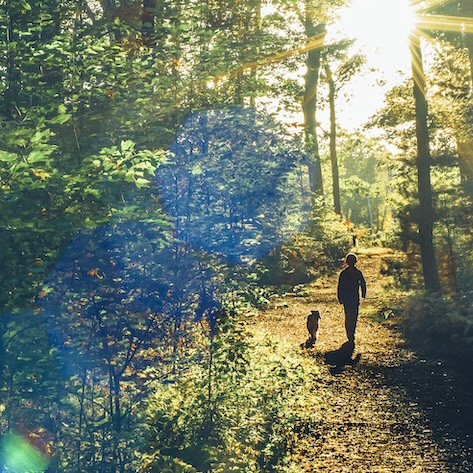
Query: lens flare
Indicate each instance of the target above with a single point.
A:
(18, 456)
(315, 42)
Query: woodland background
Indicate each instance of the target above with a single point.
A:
(163, 172)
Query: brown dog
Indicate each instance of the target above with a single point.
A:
(313, 327)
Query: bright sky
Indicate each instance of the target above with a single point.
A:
(381, 29)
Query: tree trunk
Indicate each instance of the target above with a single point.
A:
(465, 147)
(12, 74)
(255, 16)
(466, 9)
(333, 142)
(465, 155)
(425, 215)
(310, 108)
(147, 21)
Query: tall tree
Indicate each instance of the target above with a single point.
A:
(333, 141)
(346, 67)
(314, 16)
(466, 10)
(453, 42)
(425, 217)
(309, 105)
(465, 143)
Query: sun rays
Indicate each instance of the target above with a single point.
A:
(426, 24)
(453, 24)
(383, 29)
(313, 43)
(391, 17)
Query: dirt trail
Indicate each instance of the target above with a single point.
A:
(395, 411)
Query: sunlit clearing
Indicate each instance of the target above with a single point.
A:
(18, 456)
(383, 24)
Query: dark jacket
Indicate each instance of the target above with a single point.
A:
(350, 282)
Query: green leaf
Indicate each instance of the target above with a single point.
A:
(127, 145)
(37, 155)
(92, 192)
(129, 176)
(7, 157)
(197, 170)
(60, 119)
(141, 182)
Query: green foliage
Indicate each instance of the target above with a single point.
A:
(104, 185)
(44, 203)
(440, 325)
(308, 255)
(29, 373)
(237, 414)
(402, 270)
(122, 308)
(364, 182)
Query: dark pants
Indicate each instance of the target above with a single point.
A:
(351, 317)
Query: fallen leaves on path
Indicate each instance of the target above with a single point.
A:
(393, 412)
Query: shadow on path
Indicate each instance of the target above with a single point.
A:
(437, 389)
(424, 400)
(342, 357)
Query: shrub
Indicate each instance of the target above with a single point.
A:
(241, 419)
(439, 324)
(307, 255)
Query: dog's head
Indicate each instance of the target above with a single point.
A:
(315, 314)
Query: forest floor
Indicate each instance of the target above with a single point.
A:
(394, 411)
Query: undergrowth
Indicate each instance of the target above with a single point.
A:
(307, 256)
(439, 324)
(230, 419)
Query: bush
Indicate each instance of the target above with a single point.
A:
(242, 418)
(439, 324)
(403, 270)
(308, 255)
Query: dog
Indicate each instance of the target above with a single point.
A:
(312, 327)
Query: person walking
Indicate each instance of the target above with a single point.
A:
(350, 281)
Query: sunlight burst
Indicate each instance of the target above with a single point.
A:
(380, 23)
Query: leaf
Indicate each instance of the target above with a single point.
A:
(129, 176)
(37, 155)
(196, 170)
(92, 192)
(5, 156)
(127, 145)
(60, 119)
(41, 173)
(141, 182)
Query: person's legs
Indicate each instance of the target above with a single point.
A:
(351, 318)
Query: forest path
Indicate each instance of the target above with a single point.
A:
(393, 412)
